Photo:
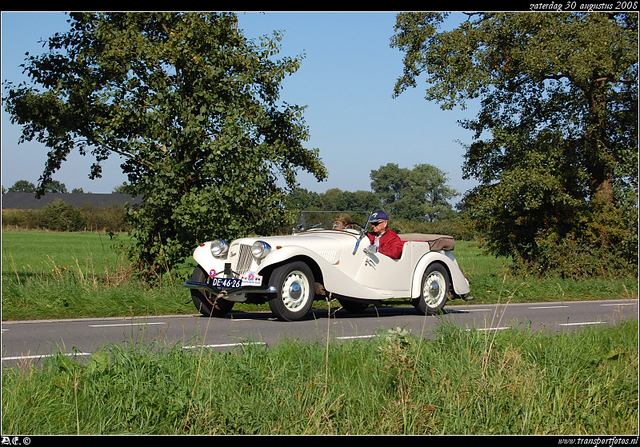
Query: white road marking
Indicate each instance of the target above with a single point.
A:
(547, 307)
(25, 357)
(223, 345)
(124, 324)
(581, 324)
(490, 328)
(355, 337)
(619, 304)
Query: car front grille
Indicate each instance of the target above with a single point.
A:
(245, 258)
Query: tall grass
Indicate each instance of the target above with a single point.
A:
(461, 382)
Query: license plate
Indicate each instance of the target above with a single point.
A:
(226, 283)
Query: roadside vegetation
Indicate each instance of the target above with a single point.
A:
(61, 216)
(461, 382)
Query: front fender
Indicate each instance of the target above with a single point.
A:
(458, 281)
(202, 255)
(281, 255)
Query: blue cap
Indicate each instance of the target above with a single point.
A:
(379, 215)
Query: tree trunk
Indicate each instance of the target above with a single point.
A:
(600, 162)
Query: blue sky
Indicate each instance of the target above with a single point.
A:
(346, 81)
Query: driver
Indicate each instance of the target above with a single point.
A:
(387, 241)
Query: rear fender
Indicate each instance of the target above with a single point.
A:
(446, 258)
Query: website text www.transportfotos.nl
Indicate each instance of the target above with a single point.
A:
(604, 441)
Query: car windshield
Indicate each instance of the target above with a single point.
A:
(331, 220)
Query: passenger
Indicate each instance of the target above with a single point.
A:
(342, 222)
(387, 241)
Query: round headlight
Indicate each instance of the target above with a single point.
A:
(260, 249)
(219, 248)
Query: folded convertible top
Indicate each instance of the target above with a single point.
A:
(436, 241)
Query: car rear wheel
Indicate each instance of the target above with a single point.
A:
(296, 291)
(434, 290)
(205, 301)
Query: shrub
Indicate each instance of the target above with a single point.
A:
(578, 259)
(62, 216)
(27, 219)
(603, 243)
(111, 219)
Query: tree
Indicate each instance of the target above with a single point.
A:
(190, 104)
(419, 193)
(22, 186)
(335, 199)
(555, 140)
(125, 188)
(27, 186)
(300, 199)
(57, 187)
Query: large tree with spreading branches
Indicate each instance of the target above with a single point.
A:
(554, 146)
(193, 108)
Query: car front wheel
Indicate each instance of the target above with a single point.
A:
(206, 301)
(434, 290)
(296, 291)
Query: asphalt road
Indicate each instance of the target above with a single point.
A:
(34, 340)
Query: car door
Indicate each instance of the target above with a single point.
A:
(380, 272)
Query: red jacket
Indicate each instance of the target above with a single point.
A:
(389, 244)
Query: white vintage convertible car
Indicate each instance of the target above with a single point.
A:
(324, 259)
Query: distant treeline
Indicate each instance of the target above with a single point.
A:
(440, 219)
(60, 216)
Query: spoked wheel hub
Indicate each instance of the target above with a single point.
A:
(434, 290)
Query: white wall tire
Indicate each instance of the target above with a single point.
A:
(434, 290)
(296, 291)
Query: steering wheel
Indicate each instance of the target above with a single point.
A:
(354, 223)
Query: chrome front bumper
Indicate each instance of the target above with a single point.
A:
(234, 291)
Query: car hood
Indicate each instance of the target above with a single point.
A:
(329, 244)
(311, 240)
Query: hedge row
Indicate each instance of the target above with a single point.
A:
(60, 216)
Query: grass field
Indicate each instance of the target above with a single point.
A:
(76, 274)
(462, 382)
